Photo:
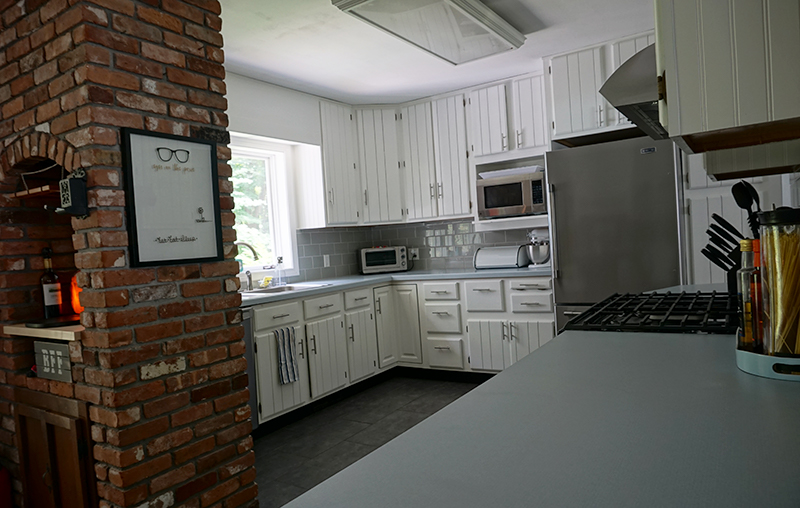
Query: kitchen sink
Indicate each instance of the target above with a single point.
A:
(286, 288)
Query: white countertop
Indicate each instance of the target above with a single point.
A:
(342, 283)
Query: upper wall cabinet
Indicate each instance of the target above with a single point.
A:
(576, 78)
(489, 120)
(530, 113)
(731, 71)
(380, 164)
(450, 154)
(420, 171)
(340, 159)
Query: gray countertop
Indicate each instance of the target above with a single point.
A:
(342, 283)
(598, 419)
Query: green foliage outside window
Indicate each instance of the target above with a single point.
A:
(251, 198)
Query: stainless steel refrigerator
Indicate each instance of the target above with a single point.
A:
(614, 221)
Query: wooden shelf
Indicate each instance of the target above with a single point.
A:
(43, 191)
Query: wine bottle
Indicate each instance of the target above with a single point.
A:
(51, 287)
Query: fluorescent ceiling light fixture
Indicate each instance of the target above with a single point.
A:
(455, 30)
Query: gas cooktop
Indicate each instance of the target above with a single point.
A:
(661, 312)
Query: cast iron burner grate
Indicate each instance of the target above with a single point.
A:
(661, 312)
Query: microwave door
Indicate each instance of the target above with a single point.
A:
(503, 200)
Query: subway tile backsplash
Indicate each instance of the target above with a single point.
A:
(442, 245)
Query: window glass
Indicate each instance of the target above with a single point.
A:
(252, 196)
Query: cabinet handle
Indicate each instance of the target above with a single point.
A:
(352, 333)
(600, 115)
(503, 143)
(302, 354)
(531, 304)
(360, 298)
(511, 332)
(441, 313)
(572, 313)
(378, 306)
(333, 196)
(365, 197)
(326, 306)
(529, 286)
(519, 139)
(441, 190)
(441, 292)
(280, 316)
(503, 327)
(442, 348)
(314, 340)
(482, 289)
(432, 194)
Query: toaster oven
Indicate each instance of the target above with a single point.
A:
(382, 259)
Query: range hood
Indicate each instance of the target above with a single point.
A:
(633, 90)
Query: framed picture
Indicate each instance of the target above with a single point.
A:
(172, 199)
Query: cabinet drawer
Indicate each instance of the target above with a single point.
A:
(357, 298)
(532, 302)
(443, 317)
(530, 284)
(276, 316)
(445, 353)
(322, 306)
(440, 290)
(484, 296)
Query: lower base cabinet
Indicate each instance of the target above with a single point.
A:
(397, 323)
(496, 344)
(362, 343)
(274, 397)
(327, 355)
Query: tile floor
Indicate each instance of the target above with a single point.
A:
(303, 453)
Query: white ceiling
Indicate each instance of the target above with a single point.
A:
(311, 46)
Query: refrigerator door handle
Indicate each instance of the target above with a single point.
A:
(553, 239)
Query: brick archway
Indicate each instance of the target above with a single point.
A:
(38, 145)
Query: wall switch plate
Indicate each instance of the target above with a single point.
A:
(413, 253)
(326, 260)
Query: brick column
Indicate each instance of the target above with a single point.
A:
(161, 360)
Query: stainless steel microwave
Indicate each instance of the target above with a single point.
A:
(383, 259)
(512, 196)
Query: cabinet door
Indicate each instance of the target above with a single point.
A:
(450, 154)
(489, 345)
(362, 344)
(484, 295)
(406, 309)
(527, 336)
(621, 51)
(576, 79)
(489, 120)
(385, 326)
(339, 159)
(380, 163)
(420, 173)
(274, 397)
(327, 355)
(529, 107)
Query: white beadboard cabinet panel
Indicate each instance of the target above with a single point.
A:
(531, 113)
(418, 162)
(452, 189)
(273, 397)
(342, 178)
(783, 27)
(576, 79)
(488, 347)
(489, 120)
(362, 344)
(750, 64)
(327, 355)
(378, 155)
(717, 64)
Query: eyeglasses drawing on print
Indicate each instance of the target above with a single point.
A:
(165, 154)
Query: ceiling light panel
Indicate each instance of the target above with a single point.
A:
(457, 31)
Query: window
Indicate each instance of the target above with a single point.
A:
(264, 213)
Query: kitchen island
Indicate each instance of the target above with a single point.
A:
(595, 419)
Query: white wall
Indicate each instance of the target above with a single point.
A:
(256, 107)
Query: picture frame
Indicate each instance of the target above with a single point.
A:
(172, 199)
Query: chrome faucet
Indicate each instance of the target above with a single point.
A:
(245, 244)
(249, 280)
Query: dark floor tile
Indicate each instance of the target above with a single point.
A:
(388, 428)
(437, 399)
(311, 442)
(326, 464)
(374, 410)
(277, 494)
(270, 465)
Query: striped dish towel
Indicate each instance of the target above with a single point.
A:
(287, 358)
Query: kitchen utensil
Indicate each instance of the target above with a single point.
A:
(719, 241)
(717, 258)
(780, 280)
(727, 225)
(723, 233)
(753, 194)
(743, 198)
(538, 251)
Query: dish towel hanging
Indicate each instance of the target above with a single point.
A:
(287, 357)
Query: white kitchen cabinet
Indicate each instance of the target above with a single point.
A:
(497, 344)
(273, 397)
(489, 120)
(728, 64)
(380, 163)
(452, 189)
(397, 323)
(340, 159)
(362, 343)
(530, 113)
(443, 317)
(327, 355)
(484, 295)
(445, 353)
(422, 189)
(576, 78)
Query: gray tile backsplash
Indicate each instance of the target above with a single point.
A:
(442, 245)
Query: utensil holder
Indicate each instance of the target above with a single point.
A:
(772, 367)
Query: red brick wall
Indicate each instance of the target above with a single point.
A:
(161, 360)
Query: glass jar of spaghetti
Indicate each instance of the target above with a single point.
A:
(780, 275)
